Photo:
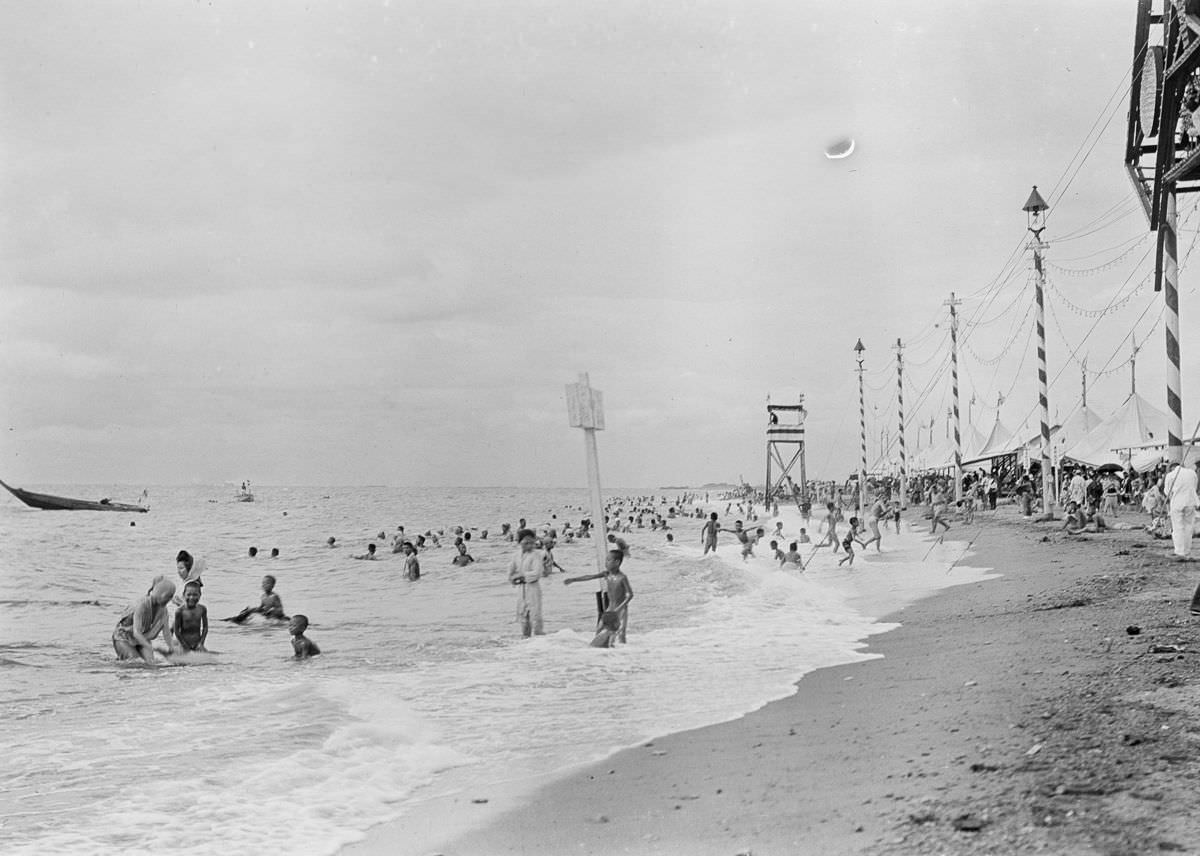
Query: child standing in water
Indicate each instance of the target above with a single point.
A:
(525, 572)
(412, 566)
(302, 646)
(191, 620)
(744, 537)
(848, 546)
(618, 594)
(708, 534)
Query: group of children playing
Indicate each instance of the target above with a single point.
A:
(188, 632)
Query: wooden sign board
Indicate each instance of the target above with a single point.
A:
(585, 406)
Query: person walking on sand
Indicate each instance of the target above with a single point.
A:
(937, 499)
(1180, 488)
(525, 572)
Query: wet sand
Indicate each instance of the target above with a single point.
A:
(1010, 715)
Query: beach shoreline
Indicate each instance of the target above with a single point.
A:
(961, 738)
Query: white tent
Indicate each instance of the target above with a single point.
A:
(1081, 422)
(997, 443)
(1134, 424)
(940, 455)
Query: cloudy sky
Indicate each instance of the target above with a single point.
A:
(370, 242)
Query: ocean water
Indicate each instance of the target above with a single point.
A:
(423, 688)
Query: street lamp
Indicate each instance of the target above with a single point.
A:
(862, 422)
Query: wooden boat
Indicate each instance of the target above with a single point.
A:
(49, 502)
(244, 494)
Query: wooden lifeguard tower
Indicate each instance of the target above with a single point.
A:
(785, 428)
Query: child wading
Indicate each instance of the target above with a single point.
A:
(616, 598)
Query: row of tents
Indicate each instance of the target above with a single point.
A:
(1135, 434)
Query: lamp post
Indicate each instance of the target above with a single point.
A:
(862, 422)
(1035, 209)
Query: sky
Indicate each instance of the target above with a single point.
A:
(370, 243)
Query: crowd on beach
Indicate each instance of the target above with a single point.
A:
(1091, 499)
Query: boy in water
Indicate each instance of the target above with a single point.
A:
(301, 644)
(191, 620)
(270, 606)
(370, 554)
(708, 534)
(744, 537)
(848, 546)
(792, 558)
(804, 539)
(619, 591)
(412, 566)
(776, 553)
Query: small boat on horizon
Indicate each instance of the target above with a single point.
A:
(50, 502)
(244, 493)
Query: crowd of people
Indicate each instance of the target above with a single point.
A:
(1090, 499)
(186, 631)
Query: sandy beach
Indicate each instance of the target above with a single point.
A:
(1050, 710)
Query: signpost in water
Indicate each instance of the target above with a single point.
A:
(585, 409)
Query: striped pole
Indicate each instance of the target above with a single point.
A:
(1171, 293)
(862, 422)
(900, 407)
(958, 475)
(1035, 209)
(1043, 386)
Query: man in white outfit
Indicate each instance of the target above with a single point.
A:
(1180, 488)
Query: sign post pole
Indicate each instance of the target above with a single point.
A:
(585, 409)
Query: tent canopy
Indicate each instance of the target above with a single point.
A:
(1135, 423)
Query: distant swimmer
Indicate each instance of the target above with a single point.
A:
(191, 620)
(302, 646)
(252, 552)
(270, 606)
(463, 558)
(370, 554)
(331, 541)
(142, 621)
